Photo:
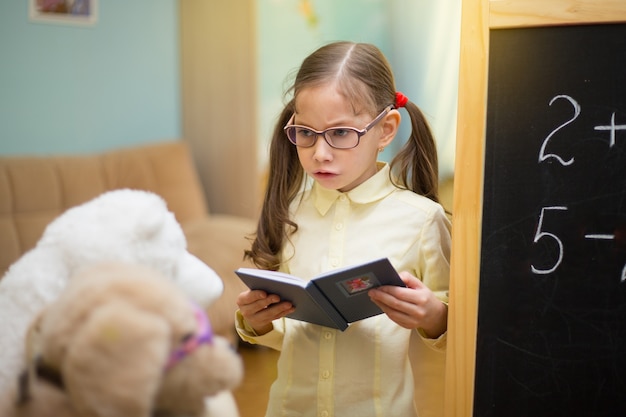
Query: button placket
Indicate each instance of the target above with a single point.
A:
(338, 231)
(327, 365)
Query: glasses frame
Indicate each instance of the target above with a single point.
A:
(359, 132)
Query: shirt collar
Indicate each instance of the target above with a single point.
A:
(373, 189)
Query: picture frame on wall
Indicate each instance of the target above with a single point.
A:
(69, 12)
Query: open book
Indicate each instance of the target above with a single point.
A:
(333, 299)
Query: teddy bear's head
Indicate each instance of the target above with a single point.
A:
(130, 226)
(126, 225)
(123, 340)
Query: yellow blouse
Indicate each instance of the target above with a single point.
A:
(375, 367)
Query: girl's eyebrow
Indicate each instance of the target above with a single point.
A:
(352, 123)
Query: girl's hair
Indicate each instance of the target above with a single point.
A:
(364, 76)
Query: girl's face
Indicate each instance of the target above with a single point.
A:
(323, 107)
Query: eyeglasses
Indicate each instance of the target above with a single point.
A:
(340, 137)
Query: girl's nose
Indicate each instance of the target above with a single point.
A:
(322, 150)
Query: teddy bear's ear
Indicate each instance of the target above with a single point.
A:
(150, 222)
(116, 360)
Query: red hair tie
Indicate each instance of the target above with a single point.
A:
(401, 100)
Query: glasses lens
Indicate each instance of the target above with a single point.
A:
(291, 134)
(301, 136)
(342, 138)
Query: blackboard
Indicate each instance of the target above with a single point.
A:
(551, 338)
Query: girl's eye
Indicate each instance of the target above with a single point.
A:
(339, 133)
(307, 133)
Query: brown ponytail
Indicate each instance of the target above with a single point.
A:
(285, 179)
(416, 165)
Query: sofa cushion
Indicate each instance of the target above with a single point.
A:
(36, 189)
(219, 241)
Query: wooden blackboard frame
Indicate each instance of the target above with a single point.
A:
(478, 17)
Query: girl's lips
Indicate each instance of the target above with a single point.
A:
(324, 174)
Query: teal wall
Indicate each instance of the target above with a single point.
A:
(420, 38)
(81, 89)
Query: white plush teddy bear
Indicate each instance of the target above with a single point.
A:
(122, 340)
(121, 226)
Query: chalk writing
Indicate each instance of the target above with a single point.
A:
(612, 128)
(542, 153)
(541, 233)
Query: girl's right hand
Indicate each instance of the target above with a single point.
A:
(259, 309)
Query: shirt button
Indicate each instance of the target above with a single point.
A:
(328, 335)
(334, 262)
(339, 226)
(325, 374)
(342, 198)
(324, 413)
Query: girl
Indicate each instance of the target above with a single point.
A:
(344, 111)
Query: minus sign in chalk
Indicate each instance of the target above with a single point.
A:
(603, 237)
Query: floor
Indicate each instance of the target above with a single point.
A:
(260, 372)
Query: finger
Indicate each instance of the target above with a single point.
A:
(251, 302)
(405, 320)
(278, 310)
(250, 296)
(410, 280)
(395, 299)
(405, 301)
(399, 297)
(259, 305)
(402, 318)
(265, 316)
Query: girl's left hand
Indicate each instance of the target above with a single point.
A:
(415, 306)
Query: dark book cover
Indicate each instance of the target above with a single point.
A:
(333, 299)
